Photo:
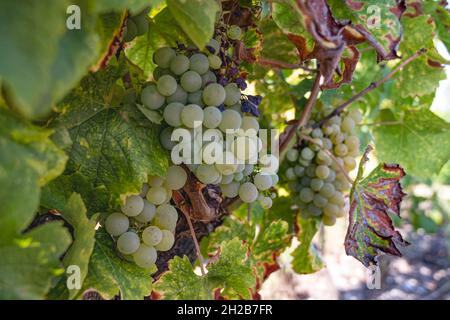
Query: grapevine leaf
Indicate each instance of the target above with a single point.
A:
(135, 6)
(263, 250)
(378, 21)
(306, 258)
(81, 249)
(52, 66)
(196, 18)
(441, 17)
(110, 274)
(152, 115)
(421, 77)
(31, 260)
(28, 160)
(372, 198)
(114, 147)
(229, 271)
(401, 139)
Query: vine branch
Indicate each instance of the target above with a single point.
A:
(290, 131)
(370, 87)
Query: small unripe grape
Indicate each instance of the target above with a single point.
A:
(157, 195)
(172, 114)
(292, 155)
(231, 120)
(248, 192)
(133, 206)
(208, 77)
(166, 242)
(214, 62)
(311, 170)
(306, 195)
(349, 163)
(238, 176)
(316, 184)
(155, 181)
(141, 23)
(331, 209)
(322, 172)
(179, 64)
(207, 174)
(147, 214)
(212, 117)
(340, 150)
(230, 190)
(320, 201)
(163, 56)
(329, 220)
(165, 138)
(352, 142)
(151, 98)
(116, 224)
(179, 96)
(214, 94)
(191, 81)
(166, 217)
(213, 43)
(166, 85)
(250, 125)
(317, 133)
(196, 98)
(262, 181)
(234, 32)
(327, 190)
(128, 243)
(145, 257)
(299, 171)
(199, 63)
(266, 202)
(151, 236)
(176, 177)
(192, 116)
(348, 124)
(226, 178)
(158, 72)
(313, 210)
(290, 174)
(356, 115)
(307, 154)
(232, 94)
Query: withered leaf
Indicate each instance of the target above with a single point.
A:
(370, 231)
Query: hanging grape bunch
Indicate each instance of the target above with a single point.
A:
(135, 26)
(319, 166)
(147, 222)
(197, 90)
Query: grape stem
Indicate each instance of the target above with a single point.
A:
(341, 168)
(185, 209)
(370, 87)
(290, 131)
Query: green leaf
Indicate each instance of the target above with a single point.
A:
(28, 160)
(30, 261)
(135, 6)
(162, 32)
(81, 249)
(441, 18)
(152, 115)
(196, 18)
(306, 258)
(230, 272)
(114, 148)
(52, 66)
(370, 229)
(419, 141)
(109, 274)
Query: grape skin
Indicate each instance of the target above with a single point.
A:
(248, 192)
(151, 98)
(166, 85)
(172, 114)
(145, 257)
(214, 94)
(192, 116)
(133, 206)
(176, 177)
(163, 56)
(212, 117)
(230, 190)
(152, 235)
(232, 94)
(166, 242)
(199, 63)
(116, 224)
(191, 81)
(179, 65)
(231, 120)
(156, 195)
(128, 243)
(262, 181)
(147, 214)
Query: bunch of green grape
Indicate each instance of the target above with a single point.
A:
(318, 167)
(196, 89)
(147, 221)
(135, 26)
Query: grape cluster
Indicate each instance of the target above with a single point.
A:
(318, 166)
(202, 90)
(147, 222)
(135, 26)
